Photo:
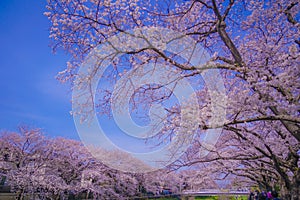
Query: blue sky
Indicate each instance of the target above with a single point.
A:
(30, 94)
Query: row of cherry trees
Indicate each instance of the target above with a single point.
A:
(56, 168)
(255, 46)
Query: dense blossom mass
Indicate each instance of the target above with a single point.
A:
(35, 166)
(254, 44)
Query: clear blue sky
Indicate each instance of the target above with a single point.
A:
(30, 94)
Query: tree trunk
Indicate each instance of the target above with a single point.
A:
(295, 190)
(295, 193)
(20, 195)
(292, 193)
(87, 194)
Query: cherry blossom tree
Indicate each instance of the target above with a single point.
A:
(56, 168)
(255, 45)
(260, 156)
(162, 179)
(23, 160)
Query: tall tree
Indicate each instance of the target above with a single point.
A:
(255, 45)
